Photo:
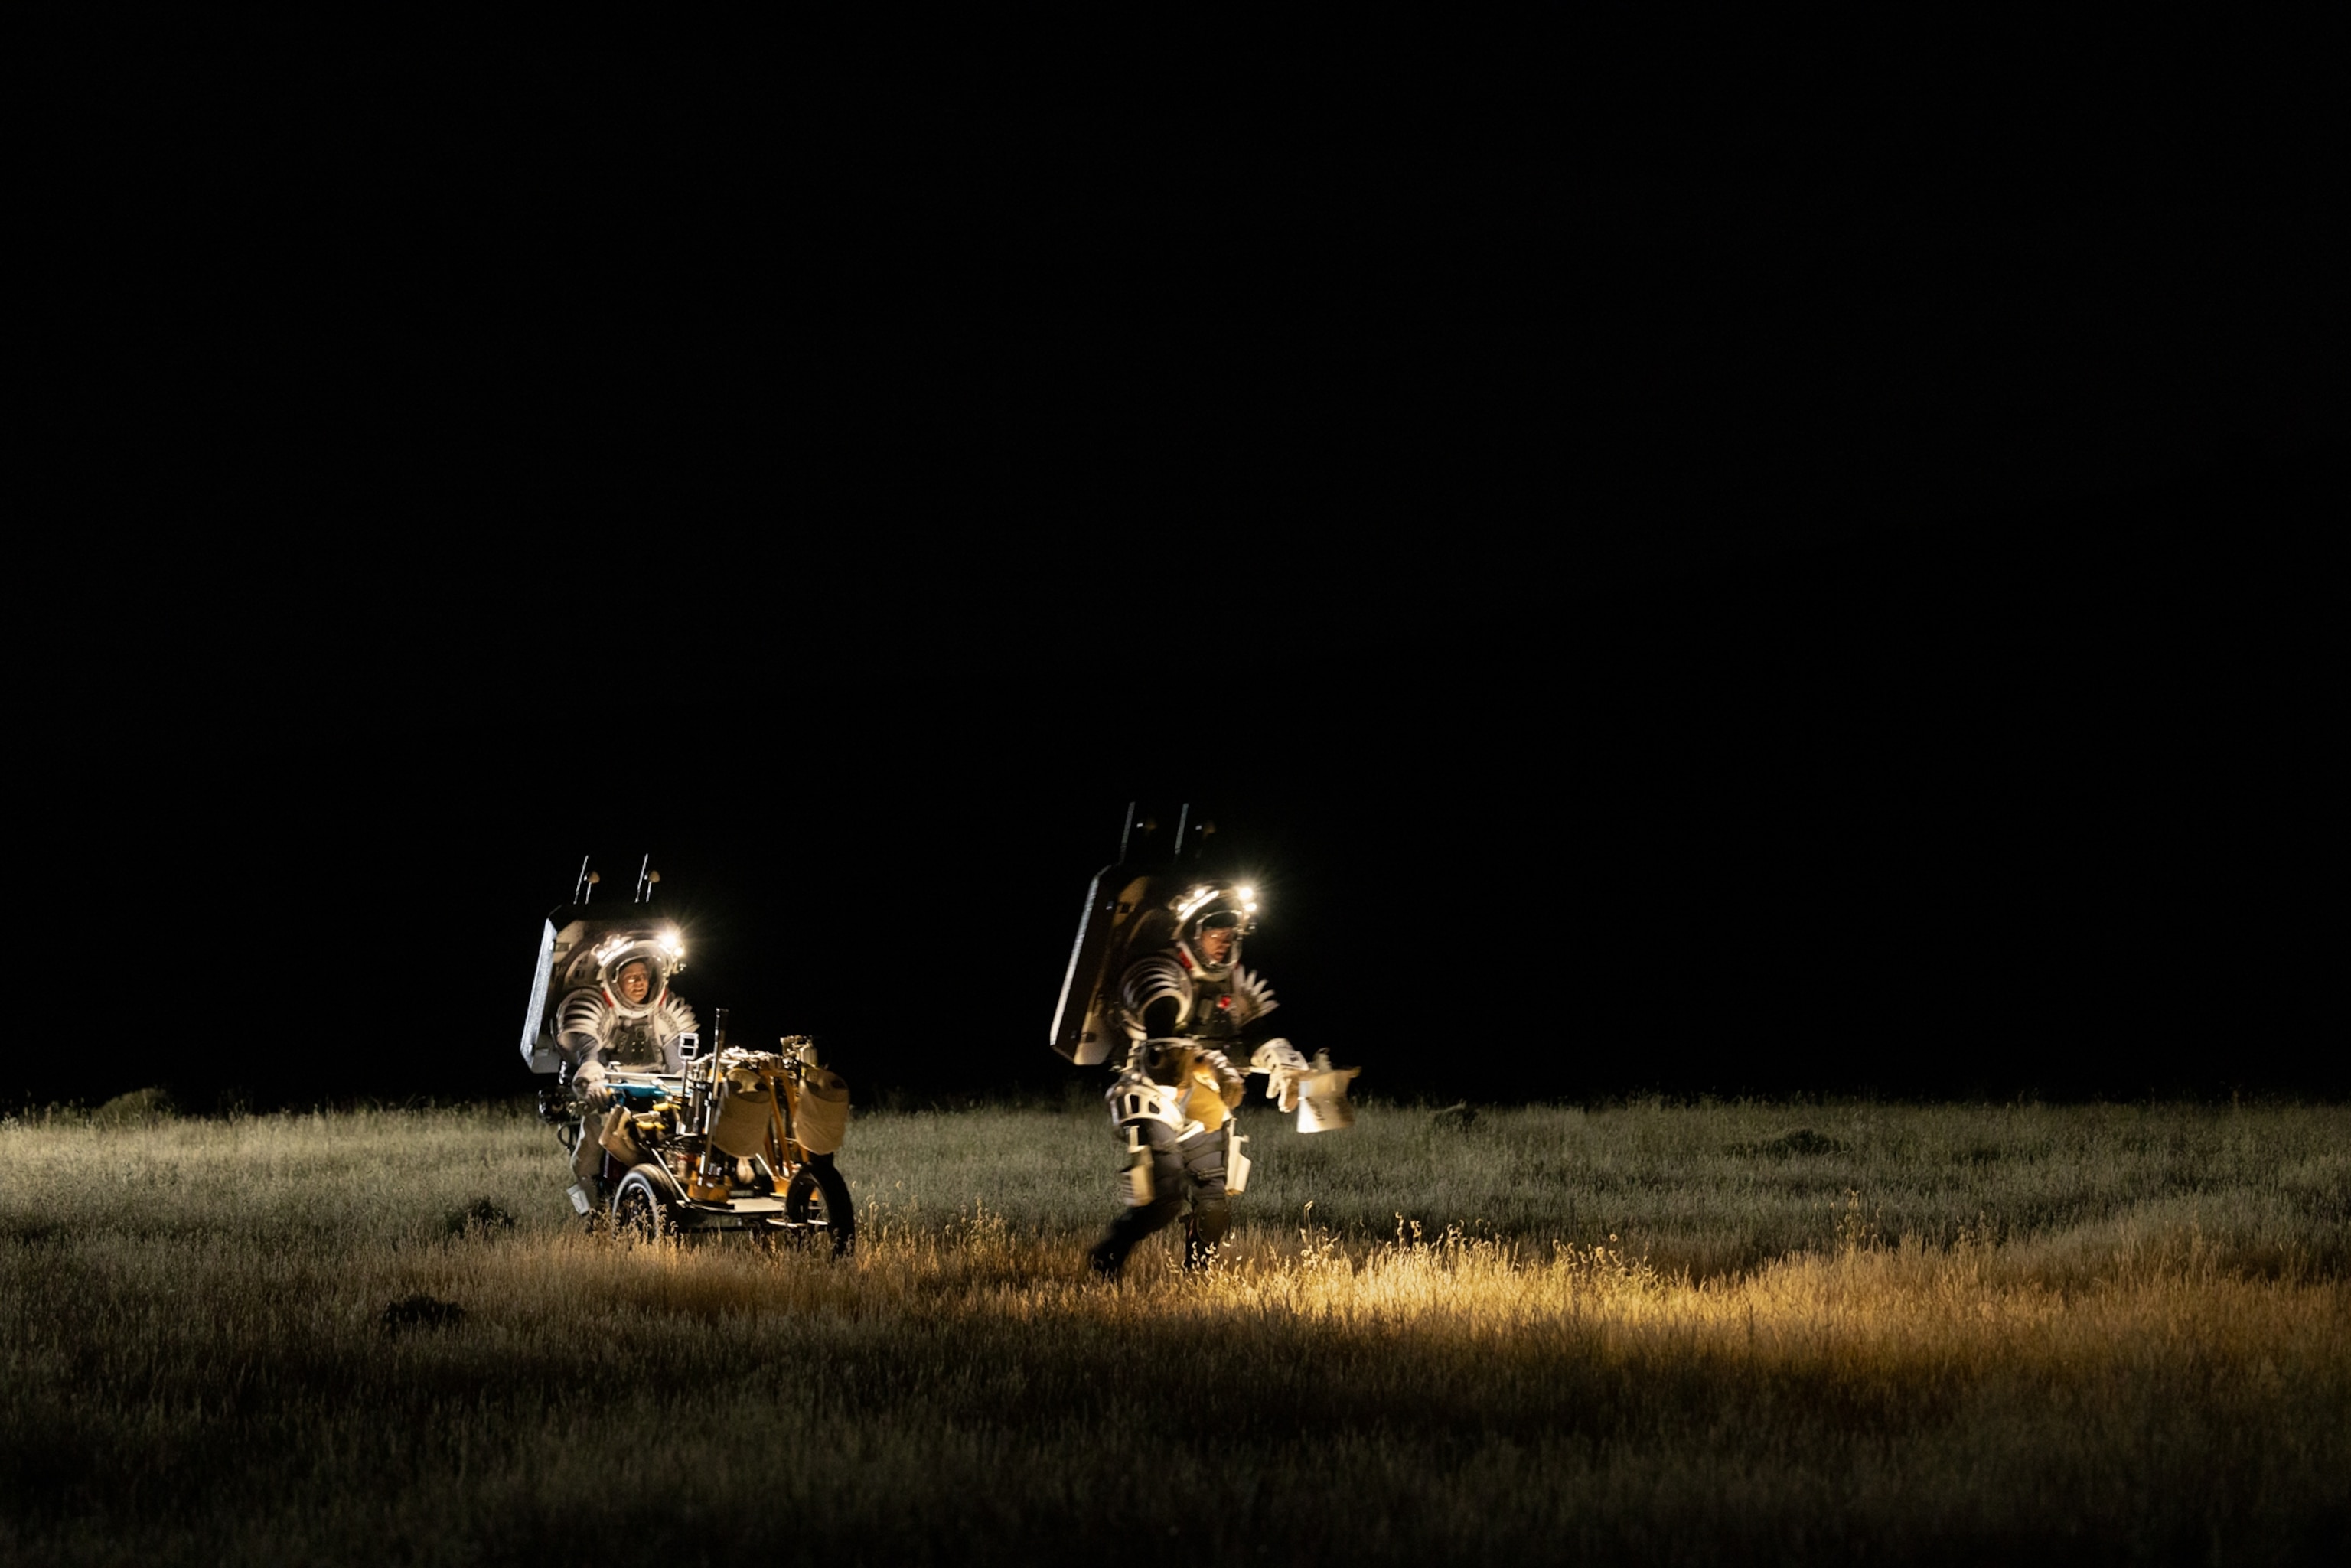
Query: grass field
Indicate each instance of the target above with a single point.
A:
(1650, 1333)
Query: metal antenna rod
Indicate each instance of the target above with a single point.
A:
(1183, 819)
(644, 883)
(579, 889)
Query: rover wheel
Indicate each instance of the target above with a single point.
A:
(641, 1208)
(818, 1199)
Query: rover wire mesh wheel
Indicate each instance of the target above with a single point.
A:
(640, 1209)
(818, 1199)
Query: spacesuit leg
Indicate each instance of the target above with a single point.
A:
(1169, 1185)
(588, 1157)
(1204, 1171)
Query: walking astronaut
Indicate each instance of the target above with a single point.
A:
(1155, 980)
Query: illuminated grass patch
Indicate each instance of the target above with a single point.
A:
(1649, 1333)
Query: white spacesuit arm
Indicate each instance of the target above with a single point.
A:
(582, 1024)
(1156, 981)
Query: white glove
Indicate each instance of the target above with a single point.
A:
(1281, 1064)
(1277, 1053)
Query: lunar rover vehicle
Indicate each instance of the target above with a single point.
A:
(672, 1136)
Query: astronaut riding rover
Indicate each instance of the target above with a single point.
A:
(667, 1138)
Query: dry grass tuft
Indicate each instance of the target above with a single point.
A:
(1647, 1334)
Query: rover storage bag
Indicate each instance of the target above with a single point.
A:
(617, 1138)
(742, 1126)
(823, 1119)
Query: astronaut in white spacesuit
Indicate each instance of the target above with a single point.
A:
(1192, 1015)
(628, 1022)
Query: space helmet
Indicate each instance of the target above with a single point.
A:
(661, 954)
(1216, 905)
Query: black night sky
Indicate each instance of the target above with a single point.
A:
(1807, 590)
